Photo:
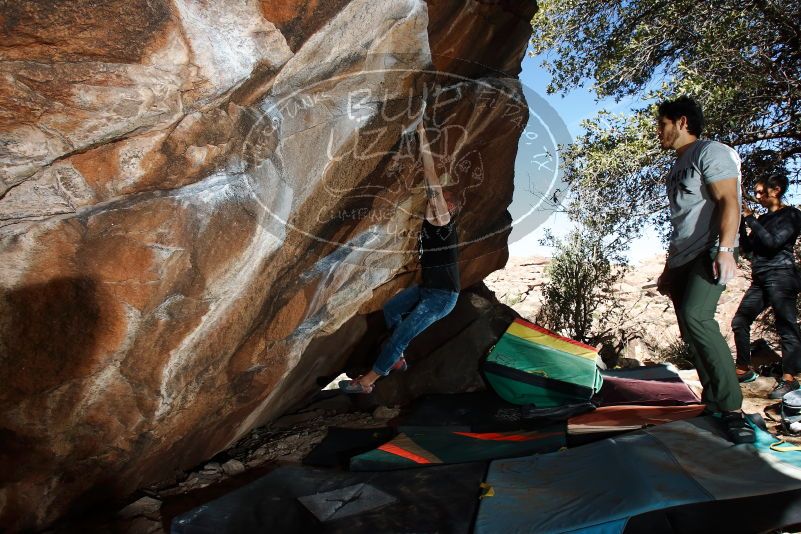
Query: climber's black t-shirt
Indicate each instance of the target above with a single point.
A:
(439, 256)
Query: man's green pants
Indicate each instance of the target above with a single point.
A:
(695, 296)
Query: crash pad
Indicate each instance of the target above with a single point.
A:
(618, 390)
(532, 365)
(629, 417)
(435, 447)
(480, 411)
(660, 371)
(603, 484)
(764, 513)
(340, 444)
(305, 499)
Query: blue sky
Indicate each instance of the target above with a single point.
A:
(574, 107)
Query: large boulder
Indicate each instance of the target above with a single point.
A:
(200, 203)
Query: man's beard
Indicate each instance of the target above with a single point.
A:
(670, 139)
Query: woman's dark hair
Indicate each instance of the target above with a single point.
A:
(775, 181)
(452, 199)
(684, 106)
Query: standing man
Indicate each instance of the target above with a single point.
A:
(703, 189)
(416, 308)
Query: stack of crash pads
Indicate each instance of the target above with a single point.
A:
(447, 429)
(403, 484)
(400, 480)
(650, 480)
(601, 486)
(532, 365)
(635, 398)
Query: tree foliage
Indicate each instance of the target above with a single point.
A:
(616, 172)
(741, 60)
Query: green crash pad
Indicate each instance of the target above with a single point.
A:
(532, 365)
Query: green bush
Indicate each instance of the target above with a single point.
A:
(579, 292)
(676, 352)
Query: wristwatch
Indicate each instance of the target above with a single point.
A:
(725, 249)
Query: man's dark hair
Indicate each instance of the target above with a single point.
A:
(684, 106)
(775, 181)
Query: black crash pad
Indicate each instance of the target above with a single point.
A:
(481, 411)
(341, 444)
(305, 499)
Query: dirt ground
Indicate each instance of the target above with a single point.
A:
(285, 441)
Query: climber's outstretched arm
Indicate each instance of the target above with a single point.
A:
(437, 209)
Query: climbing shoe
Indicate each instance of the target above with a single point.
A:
(737, 428)
(354, 387)
(745, 377)
(400, 365)
(782, 388)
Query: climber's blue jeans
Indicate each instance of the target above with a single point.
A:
(408, 313)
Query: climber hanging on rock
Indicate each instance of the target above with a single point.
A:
(414, 309)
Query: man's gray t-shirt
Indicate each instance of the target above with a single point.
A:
(693, 213)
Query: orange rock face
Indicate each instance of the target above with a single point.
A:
(198, 202)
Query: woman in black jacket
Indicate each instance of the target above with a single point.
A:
(774, 281)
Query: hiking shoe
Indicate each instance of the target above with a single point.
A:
(782, 388)
(737, 428)
(400, 365)
(354, 387)
(747, 376)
